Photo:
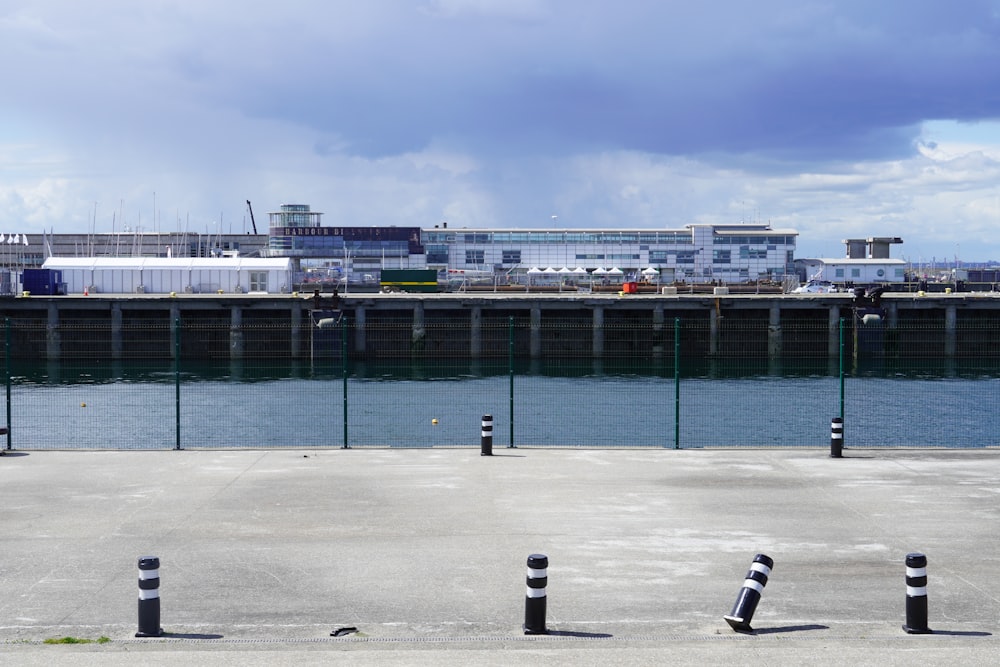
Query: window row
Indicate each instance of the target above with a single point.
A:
(662, 238)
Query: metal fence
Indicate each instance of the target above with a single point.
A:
(685, 384)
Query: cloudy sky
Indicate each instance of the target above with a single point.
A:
(838, 118)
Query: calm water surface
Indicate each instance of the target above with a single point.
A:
(299, 405)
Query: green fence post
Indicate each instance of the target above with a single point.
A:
(510, 369)
(7, 378)
(677, 383)
(842, 322)
(343, 364)
(177, 383)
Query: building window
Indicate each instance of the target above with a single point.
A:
(511, 257)
(475, 257)
(258, 281)
(721, 256)
(658, 257)
(437, 254)
(839, 273)
(685, 257)
(746, 252)
(855, 273)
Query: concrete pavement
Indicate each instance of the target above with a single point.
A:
(265, 553)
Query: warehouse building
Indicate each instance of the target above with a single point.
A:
(162, 275)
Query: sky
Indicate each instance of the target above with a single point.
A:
(836, 118)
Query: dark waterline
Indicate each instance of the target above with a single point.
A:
(164, 370)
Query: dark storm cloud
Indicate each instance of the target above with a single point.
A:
(796, 80)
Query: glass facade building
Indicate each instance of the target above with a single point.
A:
(696, 253)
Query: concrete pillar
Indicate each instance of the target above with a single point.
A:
(117, 347)
(833, 340)
(419, 336)
(295, 329)
(476, 332)
(236, 342)
(658, 319)
(598, 335)
(774, 345)
(535, 332)
(175, 316)
(892, 315)
(713, 331)
(360, 340)
(53, 339)
(950, 326)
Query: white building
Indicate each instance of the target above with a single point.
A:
(696, 253)
(861, 271)
(867, 263)
(162, 275)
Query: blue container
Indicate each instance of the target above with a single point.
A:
(43, 281)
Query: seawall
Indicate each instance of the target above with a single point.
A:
(489, 324)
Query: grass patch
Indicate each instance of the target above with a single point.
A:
(77, 640)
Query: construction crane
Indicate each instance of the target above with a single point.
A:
(251, 217)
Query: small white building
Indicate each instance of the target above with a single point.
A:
(861, 271)
(162, 275)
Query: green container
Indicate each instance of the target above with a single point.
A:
(409, 280)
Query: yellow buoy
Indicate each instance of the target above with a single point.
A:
(434, 421)
(83, 405)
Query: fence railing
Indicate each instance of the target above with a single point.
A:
(680, 385)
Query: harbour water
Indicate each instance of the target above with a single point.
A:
(417, 405)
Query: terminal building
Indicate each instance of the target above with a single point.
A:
(699, 253)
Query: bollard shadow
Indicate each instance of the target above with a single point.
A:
(189, 635)
(582, 635)
(8, 452)
(788, 628)
(961, 633)
(509, 456)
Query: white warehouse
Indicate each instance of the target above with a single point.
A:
(852, 270)
(162, 275)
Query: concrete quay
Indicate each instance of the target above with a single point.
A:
(475, 324)
(423, 552)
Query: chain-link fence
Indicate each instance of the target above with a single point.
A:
(677, 384)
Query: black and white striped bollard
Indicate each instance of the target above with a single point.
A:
(837, 438)
(916, 595)
(746, 602)
(486, 444)
(534, 602)
(149, 597)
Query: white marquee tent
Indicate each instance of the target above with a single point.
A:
(162, 275)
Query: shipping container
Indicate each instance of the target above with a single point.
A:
(43, 281)
(409, 280)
